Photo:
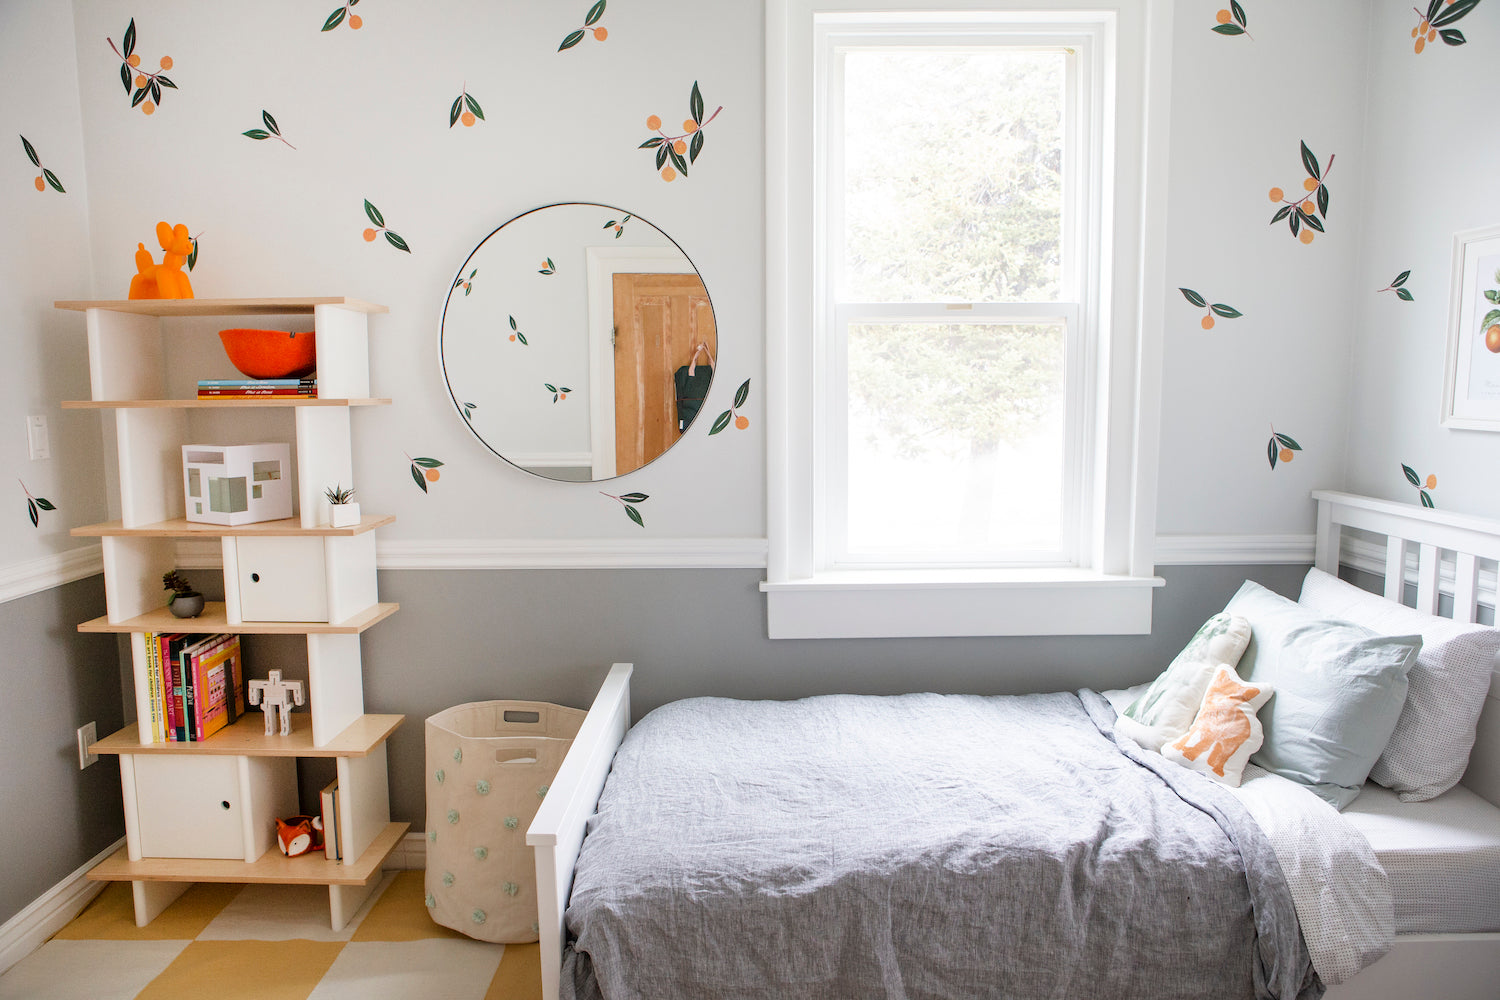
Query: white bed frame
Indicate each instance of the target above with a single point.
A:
(1436, 966)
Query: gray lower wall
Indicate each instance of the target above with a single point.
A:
(535, 635)
(550, 635)
(54, 817)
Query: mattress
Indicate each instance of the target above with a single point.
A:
(1442, 858)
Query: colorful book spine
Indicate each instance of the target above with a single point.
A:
(192, 690)
(237, 383)
(153, 691)
(217, 393)
(168, 681)
(208, 388)
(181, 705)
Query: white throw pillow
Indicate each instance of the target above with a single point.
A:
(1225, 731)
(1169, 705)
(1429, 749)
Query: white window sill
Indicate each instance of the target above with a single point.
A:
(911, 603)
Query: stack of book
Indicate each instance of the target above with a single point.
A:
(196, 683)
(244, 388)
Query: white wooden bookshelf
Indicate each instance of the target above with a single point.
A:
(205, 811)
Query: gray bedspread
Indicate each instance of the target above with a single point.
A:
(920, 846)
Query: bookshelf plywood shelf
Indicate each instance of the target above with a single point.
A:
(232, 402)
(270, 867)
(182, 528)
(213, 620)
(301, 306)
(247, 738)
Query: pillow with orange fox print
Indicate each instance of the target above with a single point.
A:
(1165, 710)
(1225, 732)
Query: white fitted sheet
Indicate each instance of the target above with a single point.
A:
(1442, 858)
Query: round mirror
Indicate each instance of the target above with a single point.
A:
(578, 342)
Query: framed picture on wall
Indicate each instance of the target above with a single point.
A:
(1471, 391)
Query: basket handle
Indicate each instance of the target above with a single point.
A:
(516, 715)
(516, 755)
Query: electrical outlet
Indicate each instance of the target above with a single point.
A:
(86, 735)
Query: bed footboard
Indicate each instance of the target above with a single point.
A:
(556, 833)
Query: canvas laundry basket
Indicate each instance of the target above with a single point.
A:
(489, 764)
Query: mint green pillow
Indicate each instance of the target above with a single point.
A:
(1339, 690)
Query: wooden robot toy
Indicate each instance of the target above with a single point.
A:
(274, 694)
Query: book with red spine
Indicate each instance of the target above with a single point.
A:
(168, 680)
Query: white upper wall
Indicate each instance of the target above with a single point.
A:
(368, 110)
(1243, 105)
(44, 257)
(1432, 149)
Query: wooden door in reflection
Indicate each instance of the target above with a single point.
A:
(660, 319)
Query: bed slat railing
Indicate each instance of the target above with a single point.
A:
(556, 834)
(1466, 587)
(1427, 579)
(1404, 524)
(1395, 569)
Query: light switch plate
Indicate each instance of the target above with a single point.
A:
(86, 735)
(36, 438)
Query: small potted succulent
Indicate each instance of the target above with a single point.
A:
(185, 602)
(343, 512)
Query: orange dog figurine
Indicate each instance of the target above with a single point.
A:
(164, 280)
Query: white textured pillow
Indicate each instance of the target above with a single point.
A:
(1169, 705)
(1225, 731)
(1429, 749)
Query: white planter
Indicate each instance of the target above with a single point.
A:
(343, 515)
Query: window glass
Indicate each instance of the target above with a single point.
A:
(953, 174)
(955, 439)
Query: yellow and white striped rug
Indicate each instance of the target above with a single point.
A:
(271, 942)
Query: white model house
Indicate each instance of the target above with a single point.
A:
(237, 484)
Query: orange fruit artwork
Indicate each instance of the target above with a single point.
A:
(674, 153)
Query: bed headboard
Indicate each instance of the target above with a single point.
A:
(1450, 554)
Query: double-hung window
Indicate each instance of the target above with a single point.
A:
(962, 388)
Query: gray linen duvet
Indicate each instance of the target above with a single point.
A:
(920, 846)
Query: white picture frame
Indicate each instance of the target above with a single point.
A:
(1471, 385)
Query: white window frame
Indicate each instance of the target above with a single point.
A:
(1108, 586)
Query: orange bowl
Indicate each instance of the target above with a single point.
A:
(271, 353)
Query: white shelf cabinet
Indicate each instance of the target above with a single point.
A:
(204, 812)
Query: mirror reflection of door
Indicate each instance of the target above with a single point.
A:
(660, 321)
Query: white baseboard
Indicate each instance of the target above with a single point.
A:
(49, 913)
(1234, 550)
(409, 854)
